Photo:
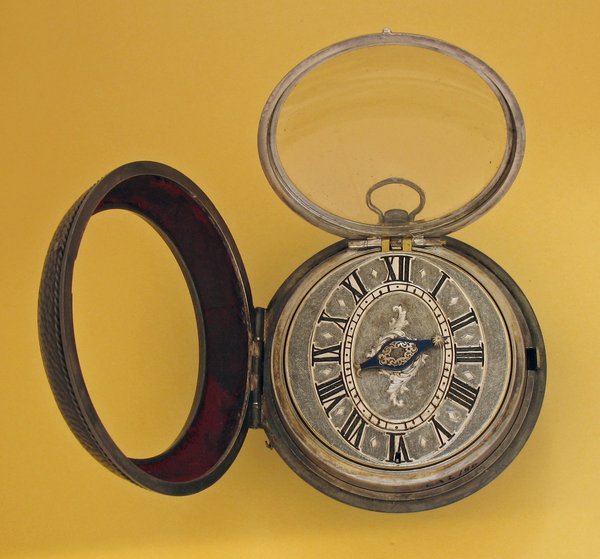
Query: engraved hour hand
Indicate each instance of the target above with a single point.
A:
(398, 359)
(397, 356)
(396, 351)
(400, 354)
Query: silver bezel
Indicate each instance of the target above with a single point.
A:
(488, 197)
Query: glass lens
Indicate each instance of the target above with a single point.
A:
(391, 111)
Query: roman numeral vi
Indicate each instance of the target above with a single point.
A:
(397, 451)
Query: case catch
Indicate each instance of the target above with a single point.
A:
(532, 358)
(257, 368)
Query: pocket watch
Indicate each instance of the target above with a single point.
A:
(396, 370)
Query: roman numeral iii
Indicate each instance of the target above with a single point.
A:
(469, 354)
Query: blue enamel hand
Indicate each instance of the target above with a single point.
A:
(398, 354)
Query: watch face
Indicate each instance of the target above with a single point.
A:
(398, 372)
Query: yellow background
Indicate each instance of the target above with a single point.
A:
(87, 86)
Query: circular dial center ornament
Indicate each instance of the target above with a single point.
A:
(389, 363)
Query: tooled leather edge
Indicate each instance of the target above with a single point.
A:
(52, 347)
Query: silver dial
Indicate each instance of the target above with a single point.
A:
(398, 371)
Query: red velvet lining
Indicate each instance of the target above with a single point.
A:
(222, 300)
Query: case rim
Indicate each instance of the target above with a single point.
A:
(298, 202)
(210, 262)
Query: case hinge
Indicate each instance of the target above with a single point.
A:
(395, 243)
(256, 372)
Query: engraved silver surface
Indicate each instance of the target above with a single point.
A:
(426, 423)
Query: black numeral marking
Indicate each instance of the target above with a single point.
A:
(329, 354)
(353, 429)
(397, 452)
(434, 292)
(442, 433)
(338, 321)
(469, 354)
(462, 393)
(331, 393)
(398, 267)
(354, 284)
(463, 321)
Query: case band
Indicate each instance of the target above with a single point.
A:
(203, 246)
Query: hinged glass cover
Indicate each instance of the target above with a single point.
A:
(391, 134)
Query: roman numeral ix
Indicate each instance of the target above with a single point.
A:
(329, 354)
